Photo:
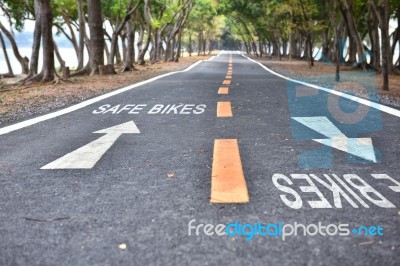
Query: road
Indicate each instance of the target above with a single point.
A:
(128, 179)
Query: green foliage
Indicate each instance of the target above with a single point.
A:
(17, 11)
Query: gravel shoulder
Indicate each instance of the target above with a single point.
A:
(20, 102)
(364, 84)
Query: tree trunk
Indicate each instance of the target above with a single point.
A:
(373, 32)
(46, 14)
(159, 46)
(247, 47)
(66, 73)
(199, 37)
(178, 54)
(106, 51)
(386, 56)
(117, 52)
(291, 45)
(58, 55)
(325, 33)
(172, 53)
(128, 64)
(352, 51)
(82, 34)
(71, 38)
(37, 36)
(396, 37)
(141, 56)
(96, 36)
(383, 14)
(284, 47)
(24, 61)
(124, 44)
(309, 46)
(336, 40)
(347, 11)
(169, 50)
(190, 44)
(139, 44)
(299, 45)
(3, 45)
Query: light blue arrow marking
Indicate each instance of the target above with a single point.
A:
(360, 147)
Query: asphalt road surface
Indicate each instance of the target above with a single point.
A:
(173, 172)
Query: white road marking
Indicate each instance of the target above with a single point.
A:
(360, 147)
(81, 105)
(378, 106)
(321, 124)
(87, 156)
(337, 189)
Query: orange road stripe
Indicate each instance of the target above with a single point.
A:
(224, 109)
(229, 73)
(223, 90)
(230, 65)
(228, 77)
(227, 82)
(228, 184)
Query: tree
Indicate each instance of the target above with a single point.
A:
(46, 15)
(43, 30)
(382, 12)
(120, 26)
(3, 45)
(24, 61)
(96, 56)
(15, 11)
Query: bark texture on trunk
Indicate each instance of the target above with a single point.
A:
(46, 15)
(37, 36)
(82, 34)
(96, 57)
(383, 14)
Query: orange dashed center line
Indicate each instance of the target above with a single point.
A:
(228, 77)
(224, 109)
(228, 184)
(223, 90)
(227, 82)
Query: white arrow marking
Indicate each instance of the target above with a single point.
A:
(87, 156)
(321, 124)
(360, 147)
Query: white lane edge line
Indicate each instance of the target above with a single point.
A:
(30, 122)
(378, 106)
